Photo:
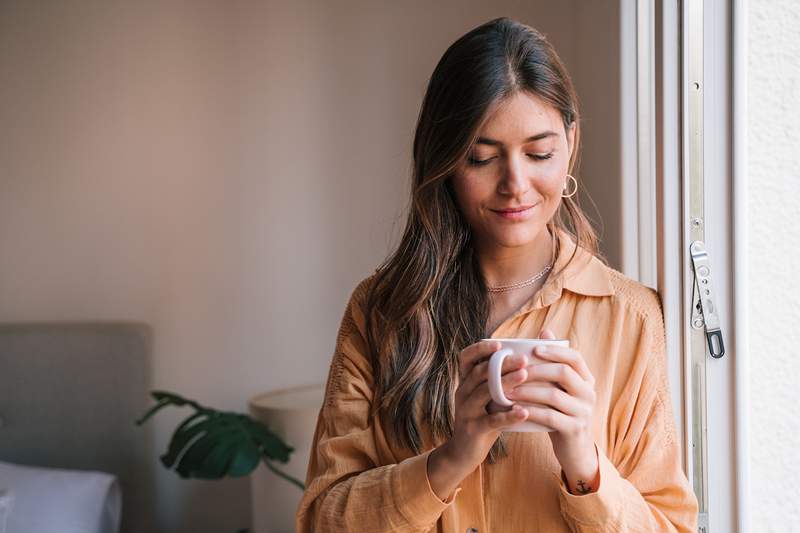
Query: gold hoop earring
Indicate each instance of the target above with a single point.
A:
(565, 188)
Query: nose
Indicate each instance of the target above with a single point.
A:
(514, 181)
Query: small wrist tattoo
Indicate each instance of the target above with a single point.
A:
(583, 488)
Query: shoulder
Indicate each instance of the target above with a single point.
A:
(355, 310)
(357, 302)
(353, 325)
(350, 367)
(622, 304)
(361, 290)
(638, 309)
(635, 297)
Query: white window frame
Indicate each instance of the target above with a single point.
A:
(659, 164)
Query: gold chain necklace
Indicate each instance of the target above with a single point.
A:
(531, 281)
(519, 285)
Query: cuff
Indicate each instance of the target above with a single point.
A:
(597, 508)
(413, 493)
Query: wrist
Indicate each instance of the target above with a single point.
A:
(582, 475)
(444, 472)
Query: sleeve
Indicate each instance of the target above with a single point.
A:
(642, 484)
(347, 487)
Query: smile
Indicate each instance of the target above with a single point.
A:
(515, 214)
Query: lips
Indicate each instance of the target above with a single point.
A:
(515, 214)
(514, 209)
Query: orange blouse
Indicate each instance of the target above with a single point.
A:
(359, 481)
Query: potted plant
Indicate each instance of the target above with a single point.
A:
(212, 444)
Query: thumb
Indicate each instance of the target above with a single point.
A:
(547, 333)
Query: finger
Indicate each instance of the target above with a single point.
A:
(554, 419)
(473, 353)
(473, 379)
(568, 356)
(505, 418)
(513, 362)
(493, 407)
(550, 396)
(480, 372)
(481, 396)
(559, 373)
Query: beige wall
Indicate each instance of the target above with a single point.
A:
(226, 172)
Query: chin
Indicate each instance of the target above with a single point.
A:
(514, 239)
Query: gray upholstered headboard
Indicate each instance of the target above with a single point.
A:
(69, 395)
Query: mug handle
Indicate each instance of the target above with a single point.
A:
(495, 377)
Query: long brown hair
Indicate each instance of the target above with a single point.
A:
(428, 299)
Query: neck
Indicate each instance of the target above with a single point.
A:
(503, 266)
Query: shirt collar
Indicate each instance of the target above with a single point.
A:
(585, 274)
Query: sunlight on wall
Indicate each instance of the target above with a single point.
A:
(774, 261)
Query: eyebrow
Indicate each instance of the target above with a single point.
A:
(538, 136)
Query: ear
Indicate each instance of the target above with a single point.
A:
(571, 137)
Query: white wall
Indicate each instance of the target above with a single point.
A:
(226, 172)
(773, 125)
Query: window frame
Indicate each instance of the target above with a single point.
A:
(660, 171)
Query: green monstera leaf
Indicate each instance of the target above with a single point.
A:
(211, 444)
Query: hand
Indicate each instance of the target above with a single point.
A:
(475, 430)
(568, 408)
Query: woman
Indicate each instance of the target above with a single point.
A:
(496, 246)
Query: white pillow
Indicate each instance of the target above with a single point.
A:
(6, 502)
(54, 500)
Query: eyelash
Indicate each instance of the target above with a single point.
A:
(480, 162)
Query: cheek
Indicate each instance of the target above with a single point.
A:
(551, 183)
(469, 192)
(554, 187)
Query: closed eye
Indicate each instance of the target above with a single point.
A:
(480, 162)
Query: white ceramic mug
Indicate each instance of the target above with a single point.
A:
(513, 347)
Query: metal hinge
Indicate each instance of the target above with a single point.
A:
(704, 305)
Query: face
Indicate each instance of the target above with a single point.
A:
(511, 183)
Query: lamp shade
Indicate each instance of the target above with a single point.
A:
(292, 414)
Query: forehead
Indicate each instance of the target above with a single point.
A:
(519, 117)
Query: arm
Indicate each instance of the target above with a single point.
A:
(642, 486)
(347, 486)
